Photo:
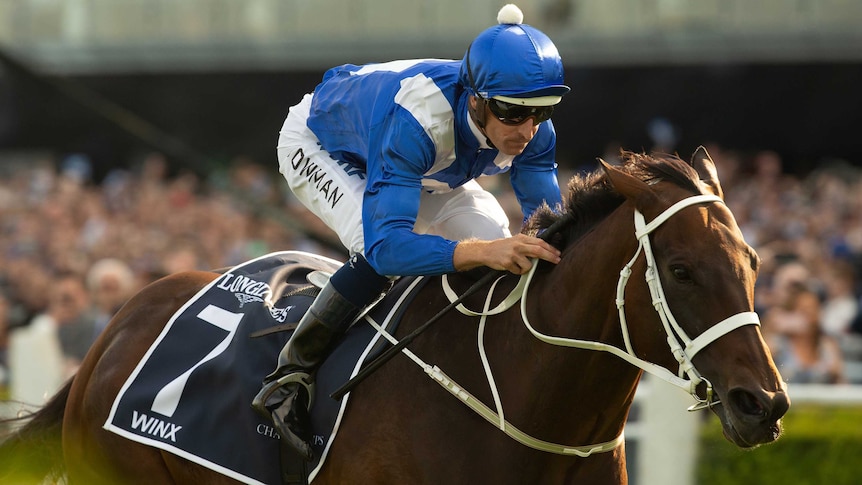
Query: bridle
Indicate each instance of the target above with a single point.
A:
(681, 345)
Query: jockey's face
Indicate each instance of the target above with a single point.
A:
(509, 139)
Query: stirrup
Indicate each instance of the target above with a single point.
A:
(318, 278)
(302, 378)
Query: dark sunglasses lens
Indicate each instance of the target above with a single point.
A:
(513, 114)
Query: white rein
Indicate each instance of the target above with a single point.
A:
(682, 347)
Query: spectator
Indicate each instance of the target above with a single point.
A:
(36, 361)
(67, 316)
(841, 306)
(802, 351)
(110, 283)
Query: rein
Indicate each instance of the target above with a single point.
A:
(496, 418)
(682, 347)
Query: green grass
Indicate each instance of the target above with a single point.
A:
(821, 445)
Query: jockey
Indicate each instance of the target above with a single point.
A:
(387, 156)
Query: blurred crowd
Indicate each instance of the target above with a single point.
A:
(73, 249)
(807, 231)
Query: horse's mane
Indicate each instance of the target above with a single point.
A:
(591, 197)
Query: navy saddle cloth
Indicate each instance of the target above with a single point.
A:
(191, 393)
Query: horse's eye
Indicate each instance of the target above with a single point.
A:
(680, 273)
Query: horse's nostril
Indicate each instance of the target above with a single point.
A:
(780, 405)
(747, 403)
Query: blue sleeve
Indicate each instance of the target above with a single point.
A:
(534, 172)
(402, 154)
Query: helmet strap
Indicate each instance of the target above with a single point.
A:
(478, 112)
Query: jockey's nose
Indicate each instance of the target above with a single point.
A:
(528, 128)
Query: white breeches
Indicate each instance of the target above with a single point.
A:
(334, 192)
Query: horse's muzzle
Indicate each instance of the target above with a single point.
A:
(752, 418)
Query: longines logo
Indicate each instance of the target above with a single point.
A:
(248, 290)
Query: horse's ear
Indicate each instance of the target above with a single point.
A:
(705, 167)
(630, 187)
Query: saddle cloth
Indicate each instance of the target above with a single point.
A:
(191, 393)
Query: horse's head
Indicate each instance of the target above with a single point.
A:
(704, 293)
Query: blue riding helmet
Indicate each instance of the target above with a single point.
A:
(515, 63)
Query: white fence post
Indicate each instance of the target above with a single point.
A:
(35, 364)
(667, 434)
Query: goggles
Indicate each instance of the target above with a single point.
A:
(515, 114)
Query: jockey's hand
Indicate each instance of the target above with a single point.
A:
(512, 254)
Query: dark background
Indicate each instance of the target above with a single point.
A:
(808, 113)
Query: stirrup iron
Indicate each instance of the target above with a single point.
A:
(302, 378)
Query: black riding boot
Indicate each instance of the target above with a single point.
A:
(286, 393)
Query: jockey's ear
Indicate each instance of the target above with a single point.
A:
(631, 187)
(705, 167)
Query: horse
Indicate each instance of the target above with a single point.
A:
(655, 277)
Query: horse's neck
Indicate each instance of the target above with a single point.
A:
(583, 285)
(576, 300)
